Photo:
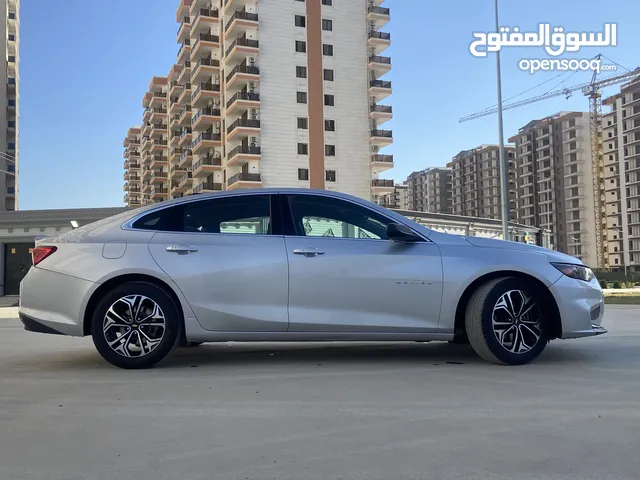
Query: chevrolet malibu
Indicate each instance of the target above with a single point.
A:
(299, 265)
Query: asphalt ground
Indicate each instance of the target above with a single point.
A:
(321, 411)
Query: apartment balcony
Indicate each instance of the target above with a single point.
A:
(184, 29)
(146, 129)
(158, 99)
(175, 137)
(240, 23)
(242, 74)
(159, 128)
(184, 52)
(204, 19)
(185, 116)
(207, 187)
(378, 41)
(243, 154)
(185, 182)
(204, 43)
(185, 158)
(146, 100)
(381, 162)
(380, 113)
(205, 67)
(174, 121)
(206, 140)
(206, 166)
(204, 92)
(174, 88)
(382, 137)
(242, 102)
(175, 154)
(125, 177)
(184, 140)
(185, 73)
(146, 116)
(159, 193)
(231, 5)
(205, 118)
(244, 180)
(158, 145)
(378, 17)
(243, 127)
(146, 146)
(158, 161)
(379, 89)
(177, 171)
(241, 49)
(185, 95)
(381, 187)
(158, 176)
(379, 64)
(158, 114)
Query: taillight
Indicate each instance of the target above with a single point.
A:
(40, 253)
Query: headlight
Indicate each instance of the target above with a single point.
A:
(579, 272)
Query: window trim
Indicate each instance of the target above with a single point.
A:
(277, 229)
(289, 229)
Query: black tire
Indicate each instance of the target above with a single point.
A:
(479, 322)
(193, 344)
(160, 350)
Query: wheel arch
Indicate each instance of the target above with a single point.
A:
(109, 284)
(556, 321)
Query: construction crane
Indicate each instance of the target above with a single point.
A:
(592, 91)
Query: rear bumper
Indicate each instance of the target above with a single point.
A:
(54, 303)
(581, 306)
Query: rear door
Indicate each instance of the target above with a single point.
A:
(224, 256)
(345, 275)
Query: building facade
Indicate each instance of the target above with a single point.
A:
(273, 94)
(398, 199)
(621, 149)
(555, 182)
(9, 115)
(430, 190)
(475, 177)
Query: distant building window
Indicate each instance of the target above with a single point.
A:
(300, 21)
(11, 123)
(303, 149)
(301, 97)
(327, 25)
(303, 174)
(301, 72)
(11, 146)
(301, 47)
(328, 75)
(327, 50)
(12, 15)
(330, 125)
(11, 102)
(330, 150)
(328, 3)
(12, 38)
(303, 123)
(330, 175)
(11, 59)
(329, 100)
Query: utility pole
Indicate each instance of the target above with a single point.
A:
(504, 171)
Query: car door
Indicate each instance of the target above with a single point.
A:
(346, 275)
(225, 258)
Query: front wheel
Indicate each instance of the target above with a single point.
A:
(135, 325)
(506, 321)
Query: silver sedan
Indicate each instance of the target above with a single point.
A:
(299, 265)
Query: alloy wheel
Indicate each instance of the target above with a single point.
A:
(516, 322)
(134, 326)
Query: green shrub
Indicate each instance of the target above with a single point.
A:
(616, 284)
(603, 284)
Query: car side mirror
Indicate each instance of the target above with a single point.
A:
(401, 233)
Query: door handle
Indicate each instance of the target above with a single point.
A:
(181, 249)
(307, 252)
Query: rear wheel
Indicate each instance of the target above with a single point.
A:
(507, 321)
(135, 325)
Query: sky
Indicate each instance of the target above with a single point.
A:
(85, 65)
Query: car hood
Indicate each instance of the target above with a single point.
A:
(552, 255)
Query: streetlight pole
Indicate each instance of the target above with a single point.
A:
(504, 172)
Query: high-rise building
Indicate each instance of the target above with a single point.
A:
(555, 181)
(9, 118)
(429, 190)
(476, 182)
(132, 164)
(621, 149)
(279, 94)
(398, 199)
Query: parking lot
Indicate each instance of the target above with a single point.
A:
(349, 411)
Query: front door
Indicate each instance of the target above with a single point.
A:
(225, 260)
(346, 276)
(17, 262)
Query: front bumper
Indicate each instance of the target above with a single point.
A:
(581, 307)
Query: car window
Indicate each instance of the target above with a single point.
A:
(249, 215)
(317, 216)
(153, 221)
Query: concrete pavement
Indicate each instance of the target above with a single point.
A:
(274, 411)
